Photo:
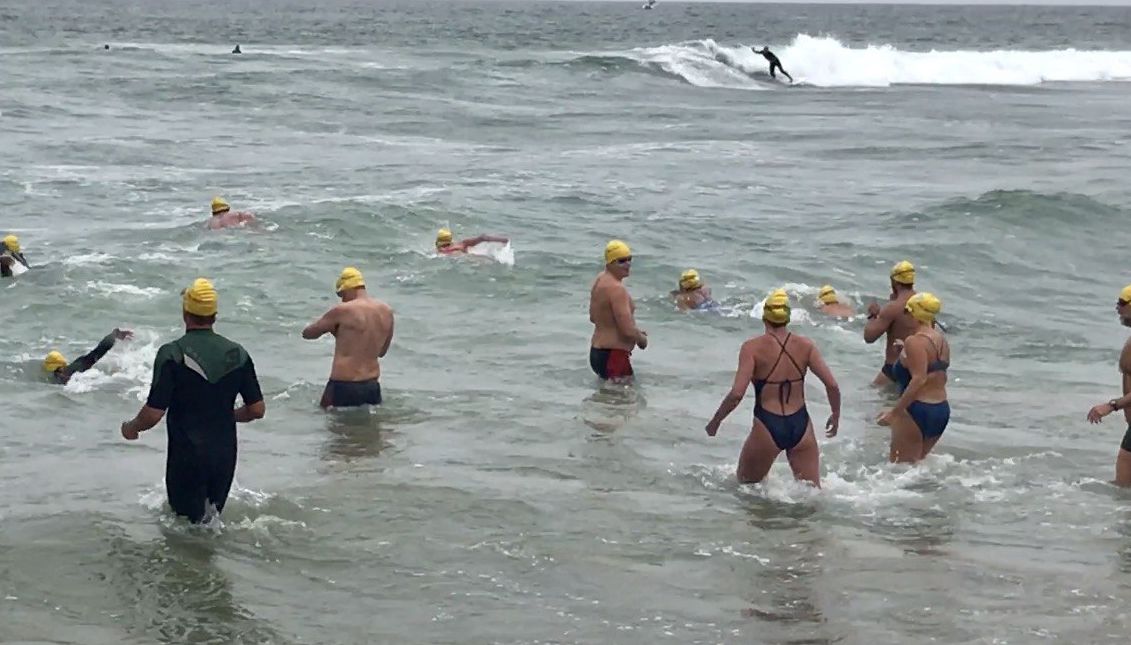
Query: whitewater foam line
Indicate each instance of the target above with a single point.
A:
(826, 62)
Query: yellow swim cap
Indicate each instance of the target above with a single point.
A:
(923, 307)
(903, 273)
(776, 308)
(1125, 295)
(53, 362)
(12, 243)
(443, 238)
(350, 278)
(689, 280)
(200, 299)
(219, 205)
(827, 295)
(616, 250)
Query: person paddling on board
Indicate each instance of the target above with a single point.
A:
(774, 62)
(60, 371)
(446, 246)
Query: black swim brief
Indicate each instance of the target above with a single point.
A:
(346, 394)
(1126, 444)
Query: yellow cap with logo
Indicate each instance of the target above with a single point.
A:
(350, 278)
(200, 299)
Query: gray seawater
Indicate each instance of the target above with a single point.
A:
(501, 496)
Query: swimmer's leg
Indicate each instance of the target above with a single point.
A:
(220, 476)
(186, 486)
(758, 453)
(785, 73)
(906, 439)
(805, 458)
(1123, 461)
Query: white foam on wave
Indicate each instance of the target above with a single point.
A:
(114, 289)
(825, 62)
(86, 259)
(129, 364)
(497, 251)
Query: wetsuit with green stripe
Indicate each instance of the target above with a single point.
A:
(196, 379)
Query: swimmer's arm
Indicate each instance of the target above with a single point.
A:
(479, 239)
(87, 361)
(327, 323)
(253, 407)
(878, 326)
(622, 315)
(388, 339)
(832, 388)
(915, 351)
(146, 418)
(742, 377)
(5, 266)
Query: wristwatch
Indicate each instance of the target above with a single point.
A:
(1114, 403)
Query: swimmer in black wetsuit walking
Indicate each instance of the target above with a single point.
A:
(774, 62)
(196, 378)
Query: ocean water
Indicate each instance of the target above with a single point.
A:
(501, 495)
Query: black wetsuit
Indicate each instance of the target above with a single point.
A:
(84, 362)
(6, 267)
(774, 63)
(196, 378)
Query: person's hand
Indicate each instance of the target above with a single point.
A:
(873, 309)
(885, 417)
(1097, 413)
(642, 340)
(128, 432)
(712, 428)
(122, 334)
(832, 425)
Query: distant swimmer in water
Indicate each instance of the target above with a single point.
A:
(12, 260)
(445, 245)
(106, 47)
(363, 330)
(1097, 413)
(774, 62)
(831, 304)
(237, 50)
(692, 293)
(612, 313)
(224, 217)
(922, 412)
(60, 371)
(196, 378)
(892, 319)
(778, 360)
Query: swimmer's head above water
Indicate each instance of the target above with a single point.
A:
(219, 206)
(924, 307)
(199, 303)
(828, 296)
(618, 258)
(348, 283)
(443, 238)
(1123, 306)
(903, 274)
(689, 280)
(776, 310)
(54, 362)
(12, 243)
